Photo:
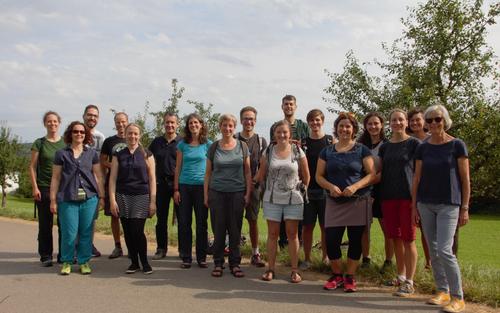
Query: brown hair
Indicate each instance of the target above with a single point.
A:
(248, 108)
(90, 106)
(346, 116)
(412, 112)
(365, 138)
(51, 113)
(289, 98)
(188, 137)
(68, 133)
(313, 113)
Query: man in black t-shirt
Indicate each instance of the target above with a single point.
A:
(110, 146)
(164, 150)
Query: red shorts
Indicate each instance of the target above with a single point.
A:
(397, 220)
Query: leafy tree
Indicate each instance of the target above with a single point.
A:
(10, 160)
(441, 57)
(211, 119)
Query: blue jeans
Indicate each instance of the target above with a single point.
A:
(77, 220)
(192, 198)
(439, 222)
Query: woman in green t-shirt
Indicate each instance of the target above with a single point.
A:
(42, 159)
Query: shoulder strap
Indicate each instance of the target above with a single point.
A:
(42, 143)
(211, 151)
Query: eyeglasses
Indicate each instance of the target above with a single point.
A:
(248, 119)
(436, 119)
(77, 131)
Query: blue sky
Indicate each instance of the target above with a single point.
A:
(63, 55)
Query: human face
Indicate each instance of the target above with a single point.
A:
(227, 128)
(345, 131)
(398, 122)
(282, 134)
(121, 123)
(91, 117)
(248, 120)
(78, 134)
(315, 123)
(194, 126)
(133, 136)
(434, 126)
(373, 126)
(170, 124)
(51, 123)
(289, 107)
(417, 123)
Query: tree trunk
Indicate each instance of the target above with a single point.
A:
(4, 198)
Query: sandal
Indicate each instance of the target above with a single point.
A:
(268, 275)
(237, 272)
(295, 277)
(217, 271)
(185, 265)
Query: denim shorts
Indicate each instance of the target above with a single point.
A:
(279, 212)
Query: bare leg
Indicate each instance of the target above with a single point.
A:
(400, 256)
(388, 243)
(410, 251)
(292, 229)
(115, 229)
(307, 238)
(254, 233)
(273, 232)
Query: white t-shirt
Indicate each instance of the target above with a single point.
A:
(98, 140)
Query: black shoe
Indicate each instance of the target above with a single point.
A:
(132, 269)
(95, 252)
(47, 263)
(147, 269)
(366, 262)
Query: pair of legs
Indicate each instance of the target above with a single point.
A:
(45, 224)
(439, 222)
(135, 239)
(401, 229)
(252, 215)
(192, 199)
(163, 196)
(315, 208)
(388, 243)
(77, 220)
(226, 214)
(333, 241)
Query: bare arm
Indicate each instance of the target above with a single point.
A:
(105, 164)
(54, 187)
(333, 190)
(112, 187)
(206, 182)
(304, 171)
(248, 179)
(96, 169)
(32, 169)
(178, 167)
(150, 162)
(261, 173)
(463, 171)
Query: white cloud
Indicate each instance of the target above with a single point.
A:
(29, 50)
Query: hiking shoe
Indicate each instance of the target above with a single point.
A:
(66, 268)
(455, 305)
(334, 282)
(349, 284)
(305, 265)
(256, 260)
(440, 298)
(132, 269)
(385, 267)
(366, 262)
(95, 252)
(160, 254)
(117, 252)
(147, 269)
(395, 282)
(47, 263)
(85, 269)
(405, 290)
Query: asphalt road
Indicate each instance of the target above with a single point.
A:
(27, 287)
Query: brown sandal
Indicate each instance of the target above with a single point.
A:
(217, 272)
(237, 272)
(268, 275)
(295, 277)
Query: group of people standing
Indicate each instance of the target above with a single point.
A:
(416, 177)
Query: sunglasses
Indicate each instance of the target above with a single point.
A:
(77, 131)
(436, 119)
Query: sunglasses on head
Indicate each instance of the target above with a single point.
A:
(436, 119)
(77, 131)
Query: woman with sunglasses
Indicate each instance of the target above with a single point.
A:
(76, 190)
(42, 159)
(132, 195)
(345, 170)
(441, 193)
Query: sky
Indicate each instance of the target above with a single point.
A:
(63, 55)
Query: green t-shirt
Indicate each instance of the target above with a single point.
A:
(46, 159)
(227, 167)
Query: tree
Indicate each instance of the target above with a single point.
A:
(10, 160)
(441, 57)
(211, 119)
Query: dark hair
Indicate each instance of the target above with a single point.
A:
(120, 113)
(188, 137)
(248, 108)
(170, 114)
(313, 113)
(68, 139)
(90, 106)
(412, 112)
(365, 138)
(289, 98)
(346, 116)
(51, 113)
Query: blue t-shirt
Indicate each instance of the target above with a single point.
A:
(440, 180)
(194, 162)
(345, 168)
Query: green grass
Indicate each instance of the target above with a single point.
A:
(477, 254)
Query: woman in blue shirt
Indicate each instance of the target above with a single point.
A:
(441, 193)
(188, 190)
(75, 191)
